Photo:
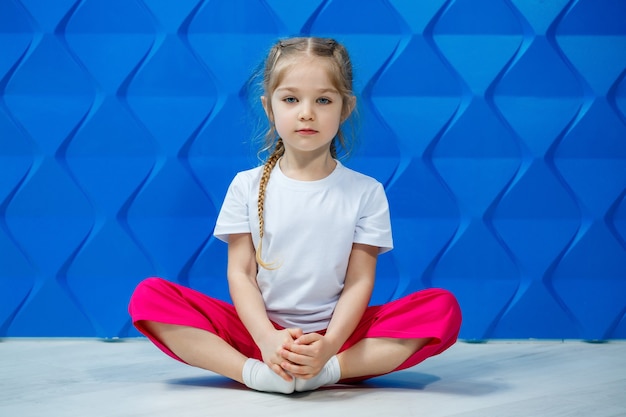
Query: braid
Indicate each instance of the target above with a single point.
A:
(279, 150)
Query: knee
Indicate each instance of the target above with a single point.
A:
(147, 289)
(147, 284)
(448, 300)
(450, 309)
(445, 306)
(152, 282)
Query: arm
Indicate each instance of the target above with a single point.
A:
(355, 296)
(305, 357)
(246, 296)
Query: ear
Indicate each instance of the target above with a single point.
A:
(268, 111)
(350, 106)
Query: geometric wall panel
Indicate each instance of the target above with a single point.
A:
(498, 128)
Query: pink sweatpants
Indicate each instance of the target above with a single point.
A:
(431, 313)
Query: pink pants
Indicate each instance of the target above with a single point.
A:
(432, 313)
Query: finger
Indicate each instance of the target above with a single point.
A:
(295, 358)
(295, 332)
(281, 372)
(297, 371)
(303, 376)
(300, 372)
(307, 339)
(302, 350)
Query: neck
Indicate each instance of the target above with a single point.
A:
(307, 167)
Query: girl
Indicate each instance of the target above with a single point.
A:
(303, 234)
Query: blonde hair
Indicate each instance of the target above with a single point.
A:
(278, 60)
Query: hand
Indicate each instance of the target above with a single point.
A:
(272, 345)
(306, 355)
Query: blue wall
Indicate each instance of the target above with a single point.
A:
(497, 126)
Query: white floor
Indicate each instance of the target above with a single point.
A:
(76, 377)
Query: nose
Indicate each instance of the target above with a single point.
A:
(306, 113)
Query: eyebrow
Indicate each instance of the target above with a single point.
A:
(320, 91)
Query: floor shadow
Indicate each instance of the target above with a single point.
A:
(209, 381)
(393, 382)
(405, 380)
(400, 381)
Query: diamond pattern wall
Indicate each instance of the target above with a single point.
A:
(497, 126)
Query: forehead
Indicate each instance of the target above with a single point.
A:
(314, 73)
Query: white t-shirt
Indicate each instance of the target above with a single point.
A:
(310, 227)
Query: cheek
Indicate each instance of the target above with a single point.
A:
(280, 125)
(337, 119)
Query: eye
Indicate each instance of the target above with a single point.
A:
(290, 100)
(323, 100)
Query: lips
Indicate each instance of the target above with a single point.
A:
(307, 131)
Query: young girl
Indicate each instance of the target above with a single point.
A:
(303, 234)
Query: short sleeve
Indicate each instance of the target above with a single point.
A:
(374, 224)
(233, 217)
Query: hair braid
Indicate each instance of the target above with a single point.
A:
(279, 150)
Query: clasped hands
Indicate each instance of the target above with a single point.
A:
(293, 354)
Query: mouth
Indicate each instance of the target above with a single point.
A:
(306, 131)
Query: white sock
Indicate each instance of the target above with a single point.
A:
(329, 375)
(258, 376)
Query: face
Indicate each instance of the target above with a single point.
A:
(306, 108)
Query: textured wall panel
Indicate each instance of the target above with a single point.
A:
(498, 128)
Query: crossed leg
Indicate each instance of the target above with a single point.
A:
(203, 349)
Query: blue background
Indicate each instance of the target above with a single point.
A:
(497, 127)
